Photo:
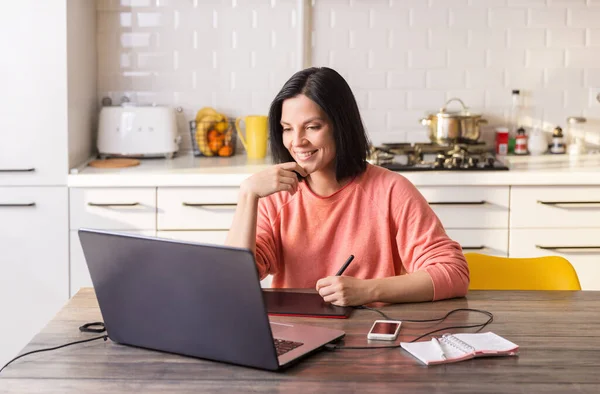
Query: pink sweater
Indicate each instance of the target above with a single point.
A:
(379, 217)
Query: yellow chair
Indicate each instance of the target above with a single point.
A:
(535, 273)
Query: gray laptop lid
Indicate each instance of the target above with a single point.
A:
(153, 294)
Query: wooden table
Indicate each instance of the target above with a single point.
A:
(558, 332)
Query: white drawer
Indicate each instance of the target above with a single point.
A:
(113, 208)
(487, 241)
(79, 274)
(555, 206)
(469, 206)
(580, 246)
(210, 237)
(198, 208)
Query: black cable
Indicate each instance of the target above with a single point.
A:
(105, 337)
(480, 325)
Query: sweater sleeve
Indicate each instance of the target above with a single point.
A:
(266, 243)
(424, 245)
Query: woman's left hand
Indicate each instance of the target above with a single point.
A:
(344, 290)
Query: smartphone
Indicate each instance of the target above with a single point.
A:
(384, 330)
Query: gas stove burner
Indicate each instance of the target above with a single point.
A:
(432, 157)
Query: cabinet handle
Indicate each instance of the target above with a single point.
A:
(573, 248)
(196, 204)
(113, 204)
(27, 204)
(457, 202)
(553, 203)
(17, 169)
(474, 247)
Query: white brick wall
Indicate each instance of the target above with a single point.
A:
(402, 58)
(478, 50)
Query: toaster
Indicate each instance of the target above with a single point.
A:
(137, 132)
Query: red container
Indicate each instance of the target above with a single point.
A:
(501, 141)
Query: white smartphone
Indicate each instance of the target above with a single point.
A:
(384, 330)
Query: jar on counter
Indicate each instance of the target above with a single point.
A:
(521, 142)
(576, 135)
(558, 142)
(501, 140)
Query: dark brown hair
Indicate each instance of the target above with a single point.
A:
(330, 91)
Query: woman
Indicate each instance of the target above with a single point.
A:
(303, 217)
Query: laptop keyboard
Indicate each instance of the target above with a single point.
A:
(283, 346)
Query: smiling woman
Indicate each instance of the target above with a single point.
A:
(322, 202)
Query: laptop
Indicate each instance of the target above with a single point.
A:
(191, 299)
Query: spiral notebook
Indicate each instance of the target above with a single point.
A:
(459, 347)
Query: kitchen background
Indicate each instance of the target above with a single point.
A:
(402, 58)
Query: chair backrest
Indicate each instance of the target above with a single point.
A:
(534, 273)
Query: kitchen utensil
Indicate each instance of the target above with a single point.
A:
(138, 131)
(114, 163)
(448, 127)
(257, 132)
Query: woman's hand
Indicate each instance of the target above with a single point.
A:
(280, 177)
(345, 290)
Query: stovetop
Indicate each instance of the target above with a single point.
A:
(432, 157)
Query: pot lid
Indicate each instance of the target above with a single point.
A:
(461, 113)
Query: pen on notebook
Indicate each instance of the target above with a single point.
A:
(346, 264)
(436, 343)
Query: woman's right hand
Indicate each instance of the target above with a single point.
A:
(280, 177)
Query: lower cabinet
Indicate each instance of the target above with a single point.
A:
(34, 262)
(79, 275)
(208, 237)
(486, 241)
(580, 246)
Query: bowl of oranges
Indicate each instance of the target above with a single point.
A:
(212, 134)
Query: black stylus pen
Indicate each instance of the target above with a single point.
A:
(346, 264)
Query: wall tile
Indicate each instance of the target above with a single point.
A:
(565, 37)
(448, 38)
(466, 58)
(427, 58)
(488, 38)
(564, 78)
(445, 79)
(406, 79)
(543, 17)
(545, 58)
(508, 17)
(429, 17)
(527, 38)
(585, 17)
(469, 18)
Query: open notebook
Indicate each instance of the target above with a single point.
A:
(459, 347)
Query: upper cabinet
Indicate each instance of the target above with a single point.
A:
(45, 95)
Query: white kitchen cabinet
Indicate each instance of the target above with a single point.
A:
(558, 220)
(113, 208)
(469, 206)
(33, 77)
(555, 206)
(34, 262)
(198, 208)
(580, 246)
(486, 241)
(79, 274)
(210, 237)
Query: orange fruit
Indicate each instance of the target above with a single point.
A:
(226, 150)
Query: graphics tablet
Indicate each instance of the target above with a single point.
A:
(295, 303)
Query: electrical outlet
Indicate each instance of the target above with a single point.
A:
(594, 96)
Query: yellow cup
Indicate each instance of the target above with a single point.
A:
(257, 133)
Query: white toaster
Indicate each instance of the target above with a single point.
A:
(138, 132)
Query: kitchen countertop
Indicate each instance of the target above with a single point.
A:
(187, 170)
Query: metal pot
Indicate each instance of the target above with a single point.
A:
(446, 127)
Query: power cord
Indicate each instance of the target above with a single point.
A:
(85, 328)
(480, 326)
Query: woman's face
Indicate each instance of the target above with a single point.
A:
(308, 134)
